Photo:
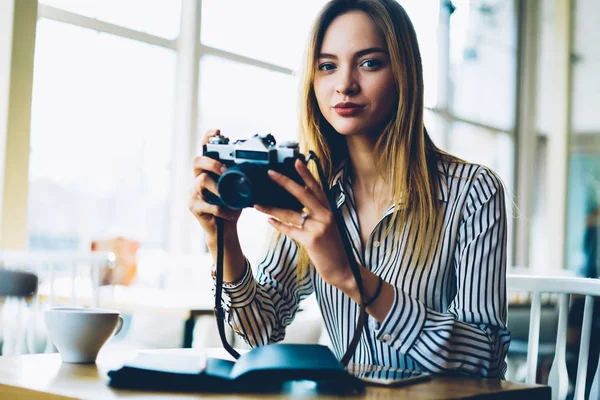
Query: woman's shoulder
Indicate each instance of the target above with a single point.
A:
(461, 175)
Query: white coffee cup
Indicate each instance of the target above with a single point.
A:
(80, 333)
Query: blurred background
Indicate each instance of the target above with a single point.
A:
(103, 104)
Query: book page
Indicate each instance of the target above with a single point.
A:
(175, 363)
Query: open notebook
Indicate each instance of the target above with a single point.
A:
(265, 369)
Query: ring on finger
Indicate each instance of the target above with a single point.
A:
(303, 216)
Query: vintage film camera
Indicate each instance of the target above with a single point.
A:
(246, 182)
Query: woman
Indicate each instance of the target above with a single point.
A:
(428, 229)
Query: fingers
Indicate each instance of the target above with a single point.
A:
(198, 204)
(204, 163)
(310, 181)
(210, 133)
(285, 216)
(288, 230)
(200, 207)
(201, 163)
(205, 181)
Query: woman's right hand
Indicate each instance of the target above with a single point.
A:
(205, 212)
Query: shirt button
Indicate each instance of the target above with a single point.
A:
(386, 337)
(376, 244)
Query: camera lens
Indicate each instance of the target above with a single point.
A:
(241, 185)
(235, 189)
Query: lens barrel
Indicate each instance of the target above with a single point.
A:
(239, 185)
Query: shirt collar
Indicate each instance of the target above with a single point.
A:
(341, 179)
(337, 185)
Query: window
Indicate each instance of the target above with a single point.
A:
(483, 56)
(101, 138)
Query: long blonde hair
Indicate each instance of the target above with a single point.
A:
(406, 156)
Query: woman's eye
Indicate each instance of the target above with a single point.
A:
(326, 67)
(371, 63)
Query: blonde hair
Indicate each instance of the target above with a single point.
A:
(407, 158)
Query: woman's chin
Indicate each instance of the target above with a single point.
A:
(345, 130)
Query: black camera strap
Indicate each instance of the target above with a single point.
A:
(220, 313)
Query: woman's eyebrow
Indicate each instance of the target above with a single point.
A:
(370, 50)
(359, 53)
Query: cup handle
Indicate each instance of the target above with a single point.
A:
(118, 327)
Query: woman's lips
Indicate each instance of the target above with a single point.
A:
(347, 109)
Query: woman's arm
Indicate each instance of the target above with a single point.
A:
(234, 262)
(260, 309)
(471, 336)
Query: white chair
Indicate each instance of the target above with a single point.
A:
(15, 287)
(564, 287)
(17, 283)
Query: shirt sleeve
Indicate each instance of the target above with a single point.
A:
(259, 309)
(471, 337)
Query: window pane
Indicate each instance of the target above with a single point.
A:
(243, 100)
(583, 207)
(586, 79)
(545, 67)
(156, 17)
(424, 16)
(100, 138)
(267, 30)
(483, 62)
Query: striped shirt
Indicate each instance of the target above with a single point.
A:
(448, 316)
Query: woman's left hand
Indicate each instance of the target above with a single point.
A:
(318, 232)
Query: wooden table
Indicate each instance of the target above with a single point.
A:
(44, 376)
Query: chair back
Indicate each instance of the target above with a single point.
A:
(564, 287)
(15, 287)
(17, 283)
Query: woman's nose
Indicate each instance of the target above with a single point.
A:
(347, 82)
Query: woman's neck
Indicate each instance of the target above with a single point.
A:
(362, 160)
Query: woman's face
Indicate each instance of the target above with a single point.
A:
(354, 84)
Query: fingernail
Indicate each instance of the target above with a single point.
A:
(273, 173)
(223, 169)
